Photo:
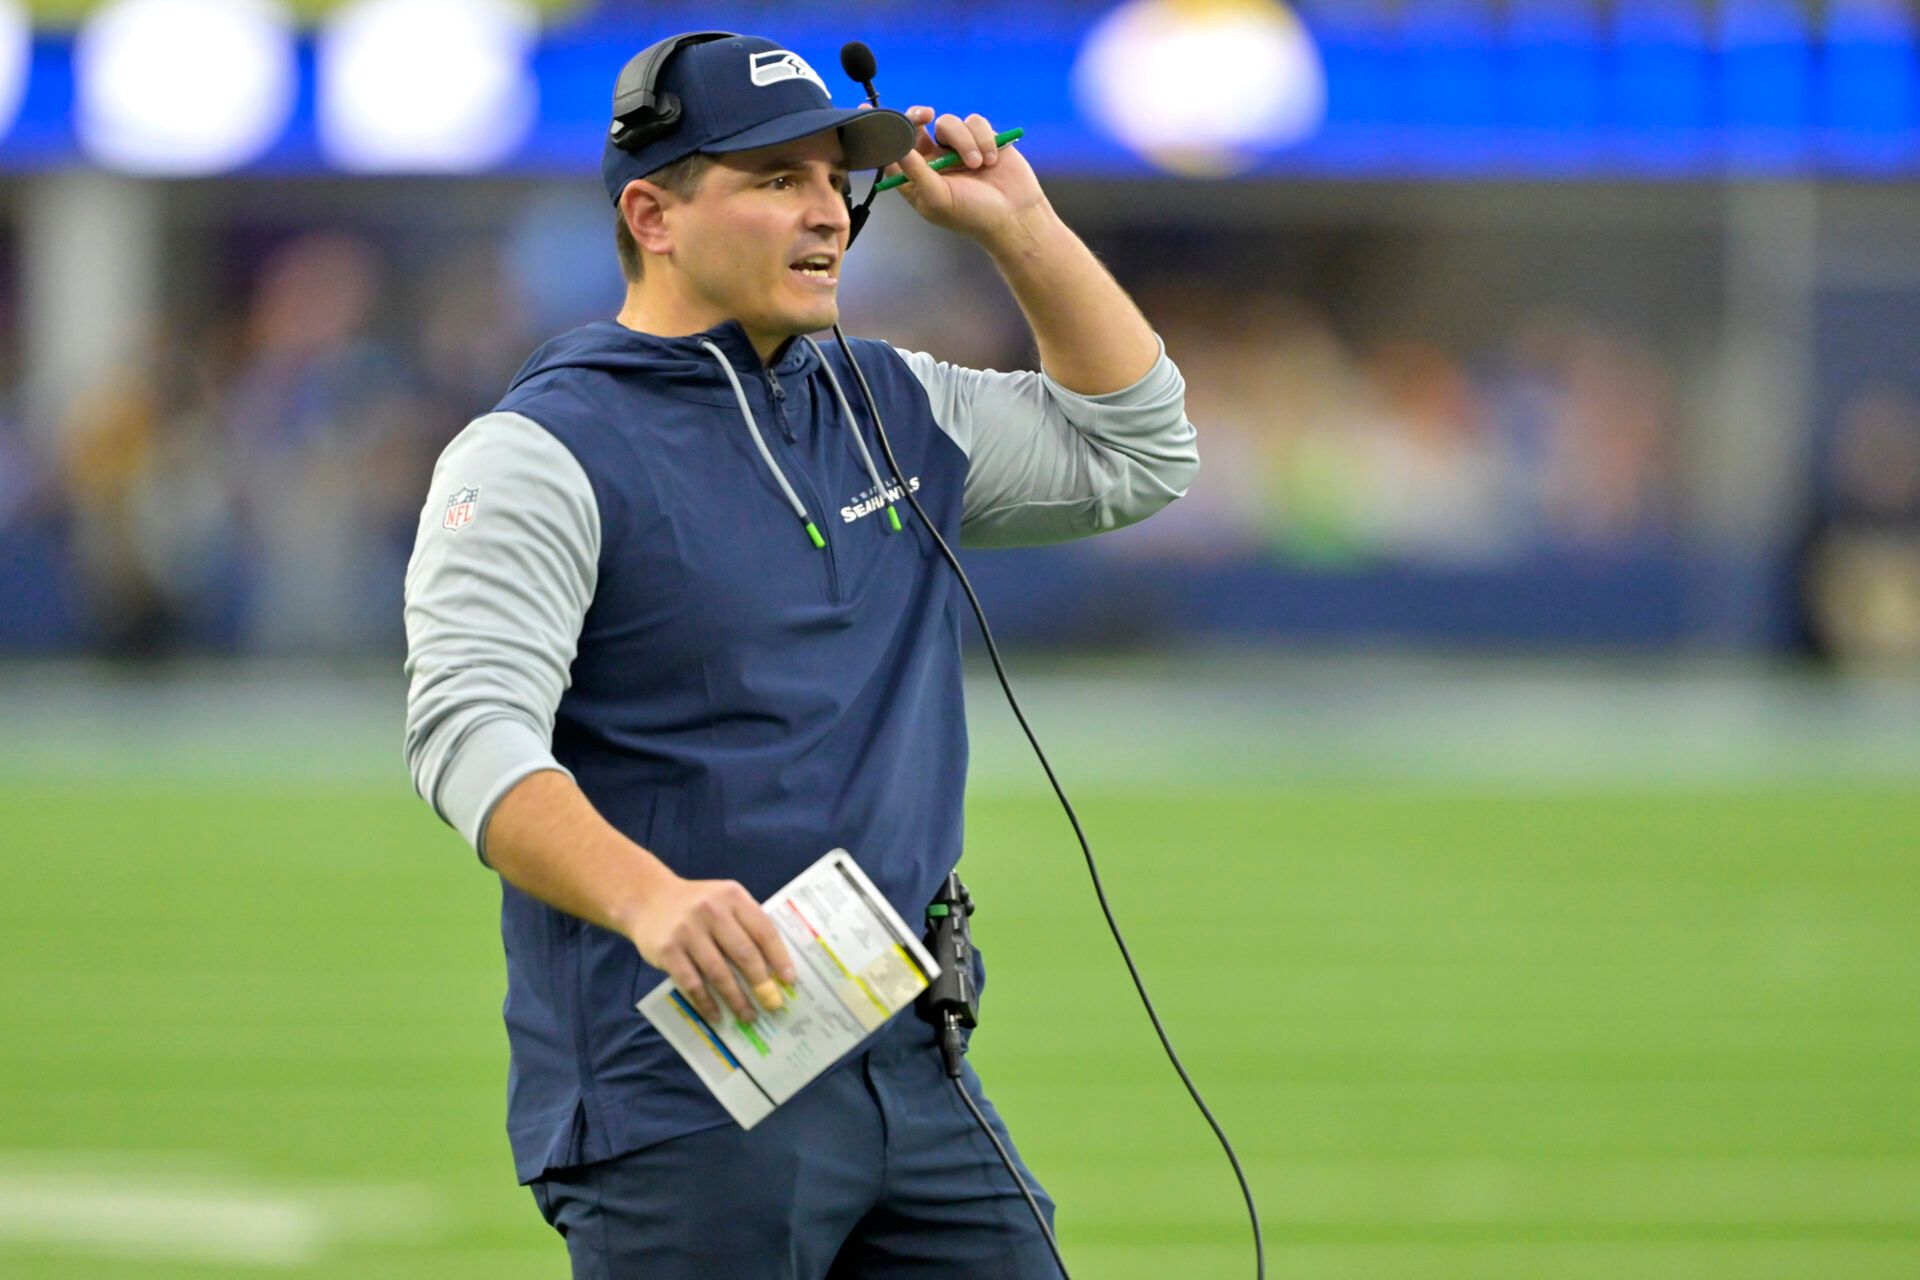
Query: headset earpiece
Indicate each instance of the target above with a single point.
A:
(641, 112)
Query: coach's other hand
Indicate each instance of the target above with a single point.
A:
(691, 929)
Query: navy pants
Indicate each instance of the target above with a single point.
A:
(874, 1172)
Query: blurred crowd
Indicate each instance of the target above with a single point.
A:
(254, 482)
(1858, 571)
(1331, 451)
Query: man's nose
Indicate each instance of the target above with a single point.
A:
(829, 207)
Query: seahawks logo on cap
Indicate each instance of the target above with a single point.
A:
(776, 65)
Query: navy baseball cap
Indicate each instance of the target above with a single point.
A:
(743, 92)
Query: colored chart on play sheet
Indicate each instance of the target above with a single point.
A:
(865, 964)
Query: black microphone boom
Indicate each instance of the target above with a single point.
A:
(858, 62)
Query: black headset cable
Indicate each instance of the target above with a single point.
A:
(1099, 889)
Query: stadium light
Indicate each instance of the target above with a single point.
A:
(180, 87)
(16, 46)
(1201, 88)
(426, 86)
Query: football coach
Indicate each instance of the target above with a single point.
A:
(672, 636)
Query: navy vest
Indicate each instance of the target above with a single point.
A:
(741, 701)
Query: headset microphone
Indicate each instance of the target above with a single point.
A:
(860, 65)
(858, 62)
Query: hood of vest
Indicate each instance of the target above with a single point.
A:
(707, 368)
(680, 367)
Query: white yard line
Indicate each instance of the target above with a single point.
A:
(125, 1205)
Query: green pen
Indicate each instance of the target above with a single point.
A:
(950, 159)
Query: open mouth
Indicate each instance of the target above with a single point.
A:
(817, 267)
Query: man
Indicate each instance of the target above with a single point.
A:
(668, 645)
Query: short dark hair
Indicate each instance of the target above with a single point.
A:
(683, 178)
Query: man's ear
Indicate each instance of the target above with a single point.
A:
(644, 206)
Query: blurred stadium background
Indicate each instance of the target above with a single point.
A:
(1524, 707)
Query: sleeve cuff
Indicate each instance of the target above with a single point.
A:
(485, 766)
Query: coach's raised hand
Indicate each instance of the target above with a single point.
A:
(548, 840)
(984, 197)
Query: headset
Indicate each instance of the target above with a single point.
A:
(643, 114)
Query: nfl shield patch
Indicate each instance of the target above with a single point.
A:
(460, 508)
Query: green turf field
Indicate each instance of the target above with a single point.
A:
(1458, 1027)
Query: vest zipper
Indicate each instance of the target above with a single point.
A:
(779, 394)
(812, 494)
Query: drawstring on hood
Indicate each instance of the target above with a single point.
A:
(766, 454)
(759, 442)
(866, 455)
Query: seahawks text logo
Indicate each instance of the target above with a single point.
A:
(868, 501)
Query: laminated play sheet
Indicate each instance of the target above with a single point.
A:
(858, 965)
